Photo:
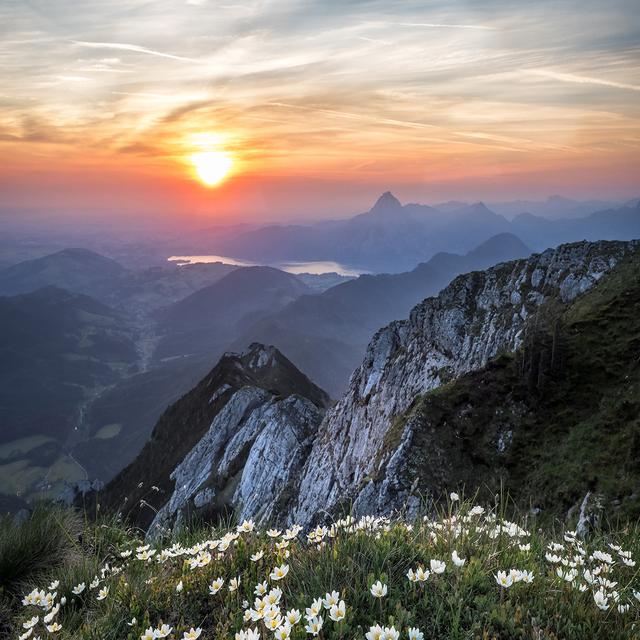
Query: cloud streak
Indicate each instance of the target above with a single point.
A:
(117, 46)
(577, 79)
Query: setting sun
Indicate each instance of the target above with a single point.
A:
(212, 166)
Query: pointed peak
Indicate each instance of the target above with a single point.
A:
(387, 203)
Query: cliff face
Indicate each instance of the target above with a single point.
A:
(361, 445)
(251, 454)
(253, 413)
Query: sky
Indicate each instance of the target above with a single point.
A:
(318, 107)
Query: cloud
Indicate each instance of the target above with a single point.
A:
(570, 77)
(437, 25)
(131, 47)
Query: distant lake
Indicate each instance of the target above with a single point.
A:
(316, 268)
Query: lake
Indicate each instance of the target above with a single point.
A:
(314, 267)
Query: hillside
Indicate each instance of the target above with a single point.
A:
(468, 571)
(238, 391)
(555, 421)
(78, 270)
(206, 321)
(56, 349)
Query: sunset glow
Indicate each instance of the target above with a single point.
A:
(318, 106)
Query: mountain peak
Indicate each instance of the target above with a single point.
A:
(387, 203)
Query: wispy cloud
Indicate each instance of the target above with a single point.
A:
(117, 46)
(577, 79)
(439, 25)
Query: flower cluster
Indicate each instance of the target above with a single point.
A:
(251, 571)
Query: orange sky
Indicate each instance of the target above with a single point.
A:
(319, 105)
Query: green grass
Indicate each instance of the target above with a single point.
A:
(461, 603)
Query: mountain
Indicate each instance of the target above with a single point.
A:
(531, 362)
(612, 224)
(252, 409)
(553, 207)
(389, 237)
(78, 270)
(205, 322)
(326, 335)
(392, 237)
(56, 349)
(364, 442)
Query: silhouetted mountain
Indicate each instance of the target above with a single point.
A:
(326, 335)
(392, 237)
(78, 270)
(612, 224)
(553, 207)
(205, 322)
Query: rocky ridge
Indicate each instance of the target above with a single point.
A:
(357, 452)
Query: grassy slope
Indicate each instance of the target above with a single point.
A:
(462, 603)
(568, 428)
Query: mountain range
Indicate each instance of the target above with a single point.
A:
(481, 383)
(392, 237)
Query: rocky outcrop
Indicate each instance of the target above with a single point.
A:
(360, 444)
(247, 461)
(235, 442)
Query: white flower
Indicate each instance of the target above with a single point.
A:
(283, 632)
(337, 611)
(601, 600)
(192, 634)
(54, 628)
(132, 621)
(293, 617)
(215, 586)
(149, 634)
(437, 566)
(525, 547)
(103, 593)
(163, 631)
(375, 633)
(29, 624)
(261, 588)
(257, 556)
(314, 610)
(457, 560)
(314, 625)
(390, 633)
(279, 572)
(330, 599)
(419, 575)
(378, 590)
(623, 608)
(246, 527)
(54, 585)
(234, 583)
(504, 579)
(454, 497)
(51, 615)
(526, 576)
(26, 634)
(179, 586)
(415, 634)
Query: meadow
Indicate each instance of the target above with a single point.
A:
(466, 572)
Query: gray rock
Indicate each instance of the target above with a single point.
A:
(477, 316)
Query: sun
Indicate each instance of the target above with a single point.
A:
(212, 166)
